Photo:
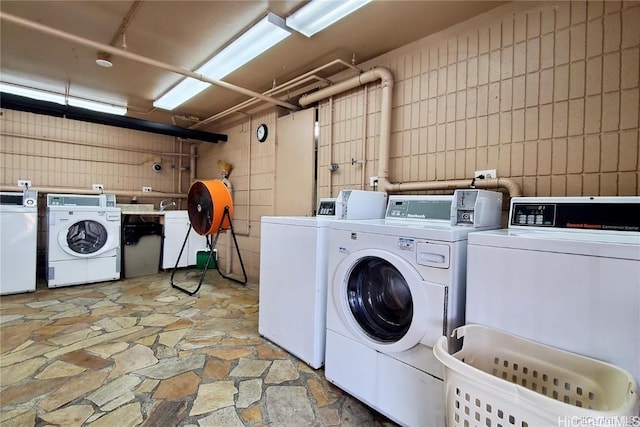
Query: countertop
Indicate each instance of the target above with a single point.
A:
(144, 209)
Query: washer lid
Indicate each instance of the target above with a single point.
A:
(623, 245)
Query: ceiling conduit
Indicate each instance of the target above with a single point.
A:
(138, 58)
(386, 81)
(309, 76)
(21, 103)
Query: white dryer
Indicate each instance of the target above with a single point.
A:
(395, 286)
(18, 241)
(566, 273)
(83, 235)
(293, 272)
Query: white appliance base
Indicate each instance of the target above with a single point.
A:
(415, 398)
(293, 287)
(83, 271)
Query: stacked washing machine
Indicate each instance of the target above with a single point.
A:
(395, 286)
(566, 273)
(83, 239)
(18, 241)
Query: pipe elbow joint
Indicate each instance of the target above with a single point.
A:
(385, 75)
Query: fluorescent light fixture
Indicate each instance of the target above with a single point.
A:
(317, 15)
(267, 33)
(42, 95)
(97, 106)
(185, 90)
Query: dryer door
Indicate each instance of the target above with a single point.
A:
(86, 238)
(383, 300)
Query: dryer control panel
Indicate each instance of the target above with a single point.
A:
(578, 213)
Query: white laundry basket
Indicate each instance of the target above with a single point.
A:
(498, 379)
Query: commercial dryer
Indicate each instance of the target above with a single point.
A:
(566, 273)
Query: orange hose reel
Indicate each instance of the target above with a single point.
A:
(206, 202)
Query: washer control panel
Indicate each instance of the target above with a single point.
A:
(419, 207)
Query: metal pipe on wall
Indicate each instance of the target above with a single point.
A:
(330, 183)
(193, 151)
(123, 193)
(386, 82)
(180, 171)
(76, 159)
(86, 144)
(365, 95)
(510, 185)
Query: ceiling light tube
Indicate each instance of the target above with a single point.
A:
(97, 106)
(317, 15)
(43, 95)
(40, 95)
(268, 32)
(183, 91)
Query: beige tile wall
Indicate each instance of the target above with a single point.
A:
(252, 180)
(57, 152)
(546, 94)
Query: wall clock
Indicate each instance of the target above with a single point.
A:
(261, 132)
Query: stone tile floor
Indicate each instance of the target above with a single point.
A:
(138, 352)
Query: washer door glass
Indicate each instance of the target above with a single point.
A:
(86, 237)
(380, 299)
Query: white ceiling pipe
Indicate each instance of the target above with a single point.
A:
(386, 81)
(296, 81)
(251, 101)
(138, 58)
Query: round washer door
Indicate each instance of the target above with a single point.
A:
(381, 299)
(86, 238)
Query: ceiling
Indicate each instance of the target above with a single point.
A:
(186, 33)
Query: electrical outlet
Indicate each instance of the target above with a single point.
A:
(24, 183)
(146, 189)
(98, 187)
(373, 181)
(486, 174)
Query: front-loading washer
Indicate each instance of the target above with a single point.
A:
(18, 241)
(83, 235)
(293, 272)
(565, 273)
(395, 286)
